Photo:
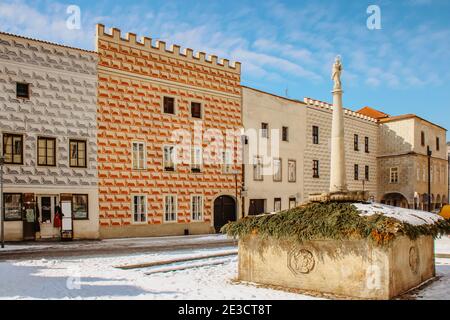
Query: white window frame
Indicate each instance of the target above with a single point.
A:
(394, 170)
(278, 176)
(175, 206)
(133, 160)
(133, 209)
(173, 157)
(265, 132)
(202, 206)
(257, 162)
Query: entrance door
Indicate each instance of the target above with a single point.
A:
(224, 211)
(29, 217)
(46, 205)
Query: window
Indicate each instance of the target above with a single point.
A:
(356, 142)
(316, 169)
(196, 165)
(366, 144)
(12, 203)
(292, 171)
(292, 203)
(257, 206)
(169, 155)
(13, 148)
(23, 90)
(356, 172)
(422, 138)
(277, 170)
(46, 151)
(78, 153)
(169, 105)
(438, 144)
(80, 207)
(138, 155)
(139, 209)
(257, 169)
(367, 173)
(277, 205)
(315, 130)
(265, 130)
(197, 208)
(394, 175)
(227, 162)
(170, 208)
(196, 110)
(285, 134)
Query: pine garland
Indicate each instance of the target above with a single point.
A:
(330, 221)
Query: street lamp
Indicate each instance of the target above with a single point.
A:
(2, 162)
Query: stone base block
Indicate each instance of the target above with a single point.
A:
(356, 269)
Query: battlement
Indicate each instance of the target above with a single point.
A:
(328, 106)
(175, 51)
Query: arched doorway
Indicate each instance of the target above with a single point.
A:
(224, 211)
(395, 199)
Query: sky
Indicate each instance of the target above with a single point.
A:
(285, 47)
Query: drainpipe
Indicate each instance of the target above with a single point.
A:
(429, 154)
(2, 162)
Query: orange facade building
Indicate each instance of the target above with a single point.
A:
(146, 94)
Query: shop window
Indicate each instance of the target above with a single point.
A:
(80, 205)
(12, 203)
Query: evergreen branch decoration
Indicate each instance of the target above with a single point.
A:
(331, 221)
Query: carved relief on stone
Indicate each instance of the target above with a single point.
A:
(300, 261)
(414, 259)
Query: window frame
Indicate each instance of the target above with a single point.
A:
(315, 135)
(3, 210)
(257, 161)
(46, 139)
(355, 142)
(196, 167)
(391, 170)
(202, 207)
(144, 160)
(165, 169)
(175, 198)
(422, 138)
(87, 206)
(77, 141)
(285, 134)
(280, 173)
(295, 171)
(28, 90)
(163, 109)
(201, 109)
(265, 132)
(275, 200)
(356, 172)
(227, 168)
(292, 199)
(13, 135)
(316, 169)
(438, 144)
(367, 173)
(133, 196)
(367, 144)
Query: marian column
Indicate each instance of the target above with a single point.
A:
(338, 180)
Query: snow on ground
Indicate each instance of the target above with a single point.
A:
(413, 217)
(440, 289)
(97, 278)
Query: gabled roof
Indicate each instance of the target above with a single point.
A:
(373, 113)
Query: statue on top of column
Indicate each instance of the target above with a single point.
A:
(336, 75)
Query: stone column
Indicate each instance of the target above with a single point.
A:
(338, 180)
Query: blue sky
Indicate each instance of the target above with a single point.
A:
(402, 68)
